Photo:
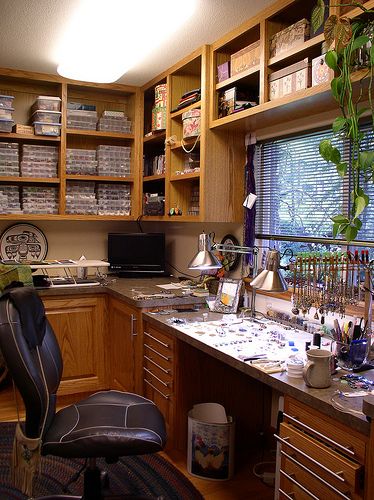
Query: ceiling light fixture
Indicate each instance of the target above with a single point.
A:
(104, 39)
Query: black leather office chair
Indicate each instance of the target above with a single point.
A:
(108, 424)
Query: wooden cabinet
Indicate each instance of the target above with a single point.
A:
(79, 323)
(26, 87)
(204, 174)
(319, 457)
(254, 80)
(124, 346)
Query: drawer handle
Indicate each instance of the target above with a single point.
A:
(166, 396)
(166, 384)
(133, 320)
(166, 358)
(305, 490)
(331, 441)
(316, 476)
(157, 340)
(285, 441)
(158, 366)
(287, 495)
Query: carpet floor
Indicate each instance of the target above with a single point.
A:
(146, 475)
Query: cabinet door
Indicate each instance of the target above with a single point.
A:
(122, 340)
(79, 325)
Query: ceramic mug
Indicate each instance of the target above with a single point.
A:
(317, 371)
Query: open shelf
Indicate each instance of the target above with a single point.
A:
(99, 134)
(298, 52)
(29, 180)
(179, 113)
(99, 178)
(243, 78)
(27, 138)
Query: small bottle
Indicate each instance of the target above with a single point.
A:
(317, 340)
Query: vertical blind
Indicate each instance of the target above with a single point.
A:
(298, 191)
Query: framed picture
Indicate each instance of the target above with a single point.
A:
(227, 298)
(23, 242)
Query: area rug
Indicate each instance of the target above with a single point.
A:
(146, 475)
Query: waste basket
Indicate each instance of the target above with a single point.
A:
(210, 450)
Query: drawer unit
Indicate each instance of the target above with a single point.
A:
(317, 457)
(159, 371)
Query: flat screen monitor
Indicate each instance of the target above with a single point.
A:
(137, 254)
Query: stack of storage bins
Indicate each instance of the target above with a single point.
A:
(113, 199)
(81, 161)
(46, 115)
(39, 200)
(80, 198)
(9, 200)
(81, 116)
(39, 161)
(113, 160)
(6, 113)
(9, 158)
(114, 121)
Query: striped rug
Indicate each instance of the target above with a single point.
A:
(146, 475)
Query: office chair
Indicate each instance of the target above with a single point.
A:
(108, 424)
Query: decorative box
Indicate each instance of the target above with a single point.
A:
(158, 118)
(161, 95)
(321, 73)
(290, 37)
(223, 71)
(245, 58)
(191, 123)
(291, 79)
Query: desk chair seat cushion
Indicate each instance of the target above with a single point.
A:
(107, 424)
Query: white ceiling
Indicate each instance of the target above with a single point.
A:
(30, 30)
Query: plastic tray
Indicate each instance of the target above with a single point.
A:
(46, 116)
(44, 102)
(6, 101)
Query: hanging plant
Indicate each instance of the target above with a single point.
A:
(351, 44)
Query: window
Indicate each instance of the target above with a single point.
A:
(298, 191)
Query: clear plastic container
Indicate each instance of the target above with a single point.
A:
(6, 101)
(6, 125)
(45, 102)
(46, 116)
(6, 113)
(47, 128)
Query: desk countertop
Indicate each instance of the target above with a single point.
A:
(128, 289)
(319, 399)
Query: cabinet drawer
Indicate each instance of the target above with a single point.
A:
(333, 468)
(152, 355)
(347, 441)
(152, 364)
(160, 343)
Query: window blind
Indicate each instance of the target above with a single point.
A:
(298, 191)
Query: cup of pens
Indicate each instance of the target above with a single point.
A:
(351, 355)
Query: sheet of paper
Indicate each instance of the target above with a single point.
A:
(170, 286)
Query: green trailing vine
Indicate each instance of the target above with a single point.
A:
(345, 38)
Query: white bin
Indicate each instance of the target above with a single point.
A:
(210, 451)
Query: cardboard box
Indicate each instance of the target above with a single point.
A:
(246, 58)
(290, 37)
(24, 129)
(291, 79)
(321, 73)
(223, 71)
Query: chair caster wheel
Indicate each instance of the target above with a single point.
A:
(104, 478)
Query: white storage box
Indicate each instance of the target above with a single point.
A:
(210, 447)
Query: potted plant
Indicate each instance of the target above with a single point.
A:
(351, 48)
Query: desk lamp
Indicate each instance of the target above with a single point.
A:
(270, 279)
(205, 259)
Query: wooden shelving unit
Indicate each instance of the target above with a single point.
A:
(26, 87)
(219, 153)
